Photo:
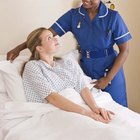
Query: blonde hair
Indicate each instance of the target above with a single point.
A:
(33, 40)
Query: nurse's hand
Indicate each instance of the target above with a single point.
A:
(11, 55)
(102, 83)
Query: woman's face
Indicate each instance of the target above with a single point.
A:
(49, 43)
(90, 3)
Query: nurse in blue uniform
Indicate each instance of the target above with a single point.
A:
(96, 29)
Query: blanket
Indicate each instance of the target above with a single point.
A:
(38, 121)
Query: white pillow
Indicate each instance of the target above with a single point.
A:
(4, 98)
(2, 86)
(12, 78)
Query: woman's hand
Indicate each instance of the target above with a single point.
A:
(102, 83)
(106, 114)
(97, 117)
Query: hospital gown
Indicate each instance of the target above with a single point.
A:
(41, 79)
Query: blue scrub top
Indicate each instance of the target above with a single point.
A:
(106, 29)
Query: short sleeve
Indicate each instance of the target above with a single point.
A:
(34, 79)
(63, 24)
(121, 32)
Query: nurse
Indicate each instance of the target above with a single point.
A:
(96, 29)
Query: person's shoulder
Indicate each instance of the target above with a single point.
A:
(32, 64)
(64, 61)
(113, 12)
(67, 61)
(71, 63)
(74, 10)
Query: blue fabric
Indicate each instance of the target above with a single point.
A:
(95, 68)
(97, 54)
(106, 29)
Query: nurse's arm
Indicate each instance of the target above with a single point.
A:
(53, 32)
(12, 54)
(123, 53)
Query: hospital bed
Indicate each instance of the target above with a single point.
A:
(21, 120)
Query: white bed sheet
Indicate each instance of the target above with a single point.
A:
(4, 97)
(26, 121)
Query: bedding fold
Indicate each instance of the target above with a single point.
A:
(38, 121)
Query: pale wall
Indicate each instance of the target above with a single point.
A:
(130, 10)
(20, 17)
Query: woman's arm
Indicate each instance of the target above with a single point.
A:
(88, 98)
(67, 105)
(123, 53)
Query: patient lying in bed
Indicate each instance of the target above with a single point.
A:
(60, 106)
(44, 78)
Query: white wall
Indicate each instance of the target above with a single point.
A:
(130, 10)
(19, 17)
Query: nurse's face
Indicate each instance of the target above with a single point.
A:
(90, 3)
